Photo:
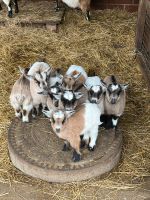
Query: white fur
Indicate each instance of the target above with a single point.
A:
(38, 67)
(114, 121)
(95, 88)
(59, 114)
(92, 81)
(114, 87)
(37, 98)
(77, 68)
(7, 4)
(53, 90)
(92, 121)
(68, 95)
(72, 3)
(54, 80)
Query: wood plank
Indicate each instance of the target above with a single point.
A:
(35, 14)
(140, 24)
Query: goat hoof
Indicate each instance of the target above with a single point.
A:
(76, 157)
(65, 148)
(10, 14)
(91, 148)
(57, 9)
(82, 144)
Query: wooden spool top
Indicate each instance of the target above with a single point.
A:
(37, 151)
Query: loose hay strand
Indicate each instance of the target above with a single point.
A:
(106, 44)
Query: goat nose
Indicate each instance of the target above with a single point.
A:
(58, 130)
(113, 101)
(93, 101)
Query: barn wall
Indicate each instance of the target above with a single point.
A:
(129, 5)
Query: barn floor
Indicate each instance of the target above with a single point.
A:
(106, 44)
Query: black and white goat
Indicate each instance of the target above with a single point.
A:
(70, 125)
(9, 4)
(114, 103)
(96, 89)
(84, 5)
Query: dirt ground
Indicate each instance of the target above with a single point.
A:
(26, 192)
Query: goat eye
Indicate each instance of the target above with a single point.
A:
(38, 82)
(56, 104)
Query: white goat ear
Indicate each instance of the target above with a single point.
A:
(124, 86)
(86, 86)
(70, 113)
(48, 71)
(47, 113)
(77, 76)
(57, 96)
(78, 95)
(44, 92)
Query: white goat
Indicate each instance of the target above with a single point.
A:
(84, 5)
(70, 126)
(20, 97)
(9, 6)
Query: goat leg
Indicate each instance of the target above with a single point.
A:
(0, 7)
(66, 146)
(16, 6)
(87, 15)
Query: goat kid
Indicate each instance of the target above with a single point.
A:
(74, 78)
(114, 103)
(84, 5)
(96, 89)
(70, 125)
(39, 76)
(20, 97)
(9, 4)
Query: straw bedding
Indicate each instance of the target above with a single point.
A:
(107, 45)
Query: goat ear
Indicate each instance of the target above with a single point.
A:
(104, 85)
(48, 113)
(58, 73)
(124, 86)
(22, 70)
(77, 76)
(48, 71)
(70, 113)
(44, 92)
(57, 96)
(78, 95)
(86, 86)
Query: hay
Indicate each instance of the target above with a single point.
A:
(106, 45)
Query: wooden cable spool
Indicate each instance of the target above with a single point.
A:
(37, 151)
